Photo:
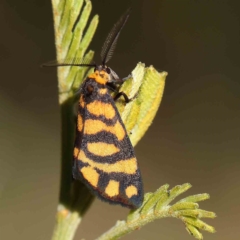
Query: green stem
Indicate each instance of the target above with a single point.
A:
(66, 227)
(68, 128)
(124, 227)
(75, 198)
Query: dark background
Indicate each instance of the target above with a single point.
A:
(194, 138)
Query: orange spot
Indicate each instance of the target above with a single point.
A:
(128, 166)
(80, 123)
(95, 126)
(100, 77)
(100, 108)
(131, 191)
(119, 131)
(102, 91)
(112, 188)
(102, 149)
(75, 152)
(81, 101)
(90, 175)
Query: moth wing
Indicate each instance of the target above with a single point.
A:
(104, 158)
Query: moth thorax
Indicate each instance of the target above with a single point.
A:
(102, 77)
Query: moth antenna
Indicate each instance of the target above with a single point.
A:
(111, 40)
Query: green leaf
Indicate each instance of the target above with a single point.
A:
(157, 205)
(147, 85)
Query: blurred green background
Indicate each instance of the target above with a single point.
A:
(194, 138)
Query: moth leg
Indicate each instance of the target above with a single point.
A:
(112, 86)
(115, 88)
(126, 98)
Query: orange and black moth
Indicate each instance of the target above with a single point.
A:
(103, 156)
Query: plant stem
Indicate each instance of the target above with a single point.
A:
(67, 136)
(75, 198)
